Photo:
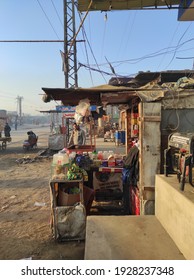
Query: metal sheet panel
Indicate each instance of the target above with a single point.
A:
(97, 96)
(186, 14)
(105, 5)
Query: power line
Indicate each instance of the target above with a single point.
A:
(99, 70)
(87, 57)
(154, 54)
(31, 41)
(168, 46)
(57, 13)
(80, 26)
(185, 57)
(192, 57)
(48, 19)
(35, 41)
(178, 45)
(130, 30)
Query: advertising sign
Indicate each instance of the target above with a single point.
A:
(68, 111)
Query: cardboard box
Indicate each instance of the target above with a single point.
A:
(66, 199)
(107, 180)
(107, 186)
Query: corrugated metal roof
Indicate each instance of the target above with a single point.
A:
(146, 85)
(97, 95)
(105, 5)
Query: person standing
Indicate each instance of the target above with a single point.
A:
(78, 136)
(7, 130)
(16, 125)
(16, 122)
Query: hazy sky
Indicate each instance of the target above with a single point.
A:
(132, 41)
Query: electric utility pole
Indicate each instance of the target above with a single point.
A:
(19, 108)
(70, 51)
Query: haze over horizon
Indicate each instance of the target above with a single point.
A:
(131, 41)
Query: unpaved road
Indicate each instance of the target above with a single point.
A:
(24, 227)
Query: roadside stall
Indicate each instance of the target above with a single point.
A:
(3, 138)
(104, 168)
(4, 141)
(148, 104)
(101, 173)
(57, 136)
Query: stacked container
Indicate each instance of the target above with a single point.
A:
(60, 165)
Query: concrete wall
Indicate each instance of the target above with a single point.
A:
(175, 211)
(149, 156)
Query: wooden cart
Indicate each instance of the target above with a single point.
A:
(3, 142)
(58, 209)
(81, 149)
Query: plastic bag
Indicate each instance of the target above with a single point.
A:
(71, 222)
(82, 107)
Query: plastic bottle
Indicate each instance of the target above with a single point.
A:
(61, 158)
(72, 156)
(105, 155)
(100, 155)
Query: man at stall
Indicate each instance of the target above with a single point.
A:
(78, 136)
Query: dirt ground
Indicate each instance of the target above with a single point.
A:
(25, 230)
